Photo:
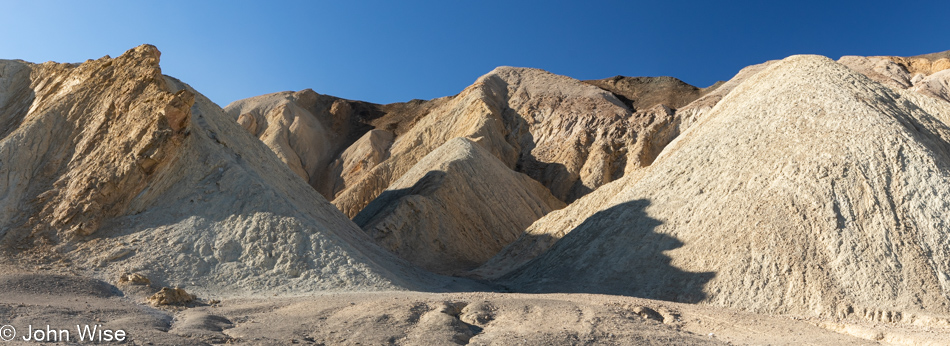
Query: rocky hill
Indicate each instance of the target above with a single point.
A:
(801, 187)
(573, 139)
(455, 209)
(111, 167)
(808, 189)
(569, 136)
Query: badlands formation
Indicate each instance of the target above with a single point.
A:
(112, 167)
(802, 201)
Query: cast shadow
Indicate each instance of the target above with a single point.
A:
(616, 251)
(389, 199)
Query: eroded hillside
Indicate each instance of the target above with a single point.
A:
(569, 136)
(802, 187)
(808, 189)
(110, 166)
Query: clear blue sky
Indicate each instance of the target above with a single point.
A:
(391, 51)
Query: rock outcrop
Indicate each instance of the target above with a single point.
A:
(807, 189)
(306, 130)
(455, 209)
(558, 131)
(110, 166)
(802, 186)
(641, 93)
(936, 85)
(323, 138)
(570, 136)
(543, 234)
(925, 74)
(63, 126)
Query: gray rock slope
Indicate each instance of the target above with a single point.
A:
(809, 188)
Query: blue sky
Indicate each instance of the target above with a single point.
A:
(392, 51)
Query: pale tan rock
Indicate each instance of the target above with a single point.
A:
(543, 233)
(936, 85)
(794, 194)
(94, 173)
(75, 120)
(923, 74)
(940, 65)
(619, 141)
(880, 69)
(570, 136)
(249, 122)
(296, 136)
(692, 112)
(358, 160)
(466, 115)
(171, 296)
(455, 208)
(310, 132)
(134, 279)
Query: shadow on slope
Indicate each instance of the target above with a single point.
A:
(16, 96)
(219, 219)
(616, 251)
(388, 200)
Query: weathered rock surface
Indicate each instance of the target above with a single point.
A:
(647, 92)
(936, 85)
(535, 122)
(543, 234)
(305, 129)
(357, 160)
(171, 296)
(546, 231)
(808, 189)
(925, 74)
(311, 132)
(883, 70)
(570, 136)
(63, 124)
(109, 165)
(688, 115)
(455, 209)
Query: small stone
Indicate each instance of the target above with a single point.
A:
(134, 279)
(171, 296)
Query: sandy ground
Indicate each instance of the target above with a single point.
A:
(412, 318)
